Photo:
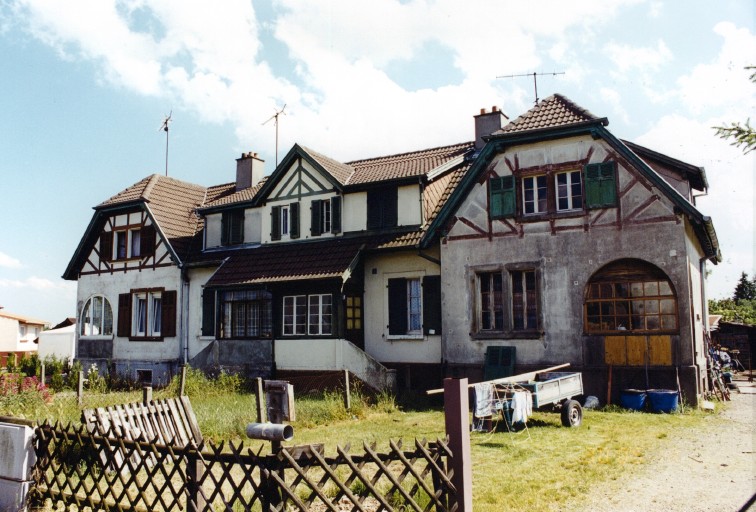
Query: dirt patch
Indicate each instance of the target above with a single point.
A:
(711, 468)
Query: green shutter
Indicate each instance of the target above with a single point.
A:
(600, 185)
(275, 223)
(501, 192)
(294, 220)
(208, 312)
(432, 304)
(315, 217)
(336, 214)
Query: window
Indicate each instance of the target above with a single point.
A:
(491, 301)
(326, 216)
(243, 313)
(507, 301)
(129, 243)
(524, 300)
(353, 311)
(414, 306)
(147, 310)
(320, 315)
(534, 195)
(382, 208)
(284, 221)
(569, 191)
(232, 226)
(307, 314)
(96, 317)
(147, 314)
(630, 295)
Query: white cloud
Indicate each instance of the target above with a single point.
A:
(9, 261)
(724, 82)
(612, 97)
(629, 58)
(37, 284)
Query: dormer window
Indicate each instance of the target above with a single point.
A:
(124, 244)
(326, 216)
(232, 227)
(284, 221)
(382, 206)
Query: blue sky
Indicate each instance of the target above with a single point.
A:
(85, 85)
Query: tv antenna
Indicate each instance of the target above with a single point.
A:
(274, 117)
(164, 127)
(535, 79)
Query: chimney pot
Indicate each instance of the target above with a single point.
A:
(494, 109)
(249, 170)
(483, 111)
(487, 123)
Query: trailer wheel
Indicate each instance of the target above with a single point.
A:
(572, 414)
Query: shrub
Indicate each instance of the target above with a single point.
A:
(22, 396)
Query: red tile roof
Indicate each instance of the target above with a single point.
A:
(222, 195)
(556, 110)
(404, 165)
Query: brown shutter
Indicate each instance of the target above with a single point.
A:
(147, 241)
(106, 245)
(275, 223)
(168, 325)
(124, 315)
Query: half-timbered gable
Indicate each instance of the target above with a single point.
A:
(563, 242)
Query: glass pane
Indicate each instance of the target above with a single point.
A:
(621, 290)
(606, 291)
(652, 323)
(594, 291)
(668, 322)
(665, 288)
(651, 289)
(636, 289)
(652, 307)
(357, 302)
(594, 323)
(667, 306)
(607, 309)
(349, 324)
(485, 320)
(638, 307)
(637, 322)
(593, 309)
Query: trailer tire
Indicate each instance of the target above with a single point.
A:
(572, 413)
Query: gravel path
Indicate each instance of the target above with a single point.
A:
(712, 469)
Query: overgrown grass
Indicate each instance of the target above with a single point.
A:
(543, 467)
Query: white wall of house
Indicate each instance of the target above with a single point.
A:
(18, 336)
(252, 225)
(387, 349)
(197, 278)
(110, 286)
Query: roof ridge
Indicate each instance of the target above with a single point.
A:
(154, 178)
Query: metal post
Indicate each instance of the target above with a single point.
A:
(347, 394)
(146, 395)
(260, 400)
(182, 382)
(80, 388)
(42, 374)
(456, 414)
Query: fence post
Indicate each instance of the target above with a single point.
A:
(146, 395)
(182, 382)
(260, 400)
(42, 374)
(457, 419)
(347, 394)
(194, 473)
(80, 388)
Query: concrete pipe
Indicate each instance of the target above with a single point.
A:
(270, 431)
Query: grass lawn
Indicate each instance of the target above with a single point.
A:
(539, 468)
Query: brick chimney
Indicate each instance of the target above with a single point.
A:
(249, 170)
(487, 123)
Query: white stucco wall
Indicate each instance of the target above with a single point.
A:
(378, 269)
(60, 343)
(354, 211)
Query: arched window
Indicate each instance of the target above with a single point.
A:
(96, 317)
(630, 295)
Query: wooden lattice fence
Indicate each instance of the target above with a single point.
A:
(96, 472)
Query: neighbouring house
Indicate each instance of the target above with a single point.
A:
(546, 234)
(571, 245)
(18, 335)
(58, 342)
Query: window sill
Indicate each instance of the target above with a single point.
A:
(106, 337)
(146, 338)
(405, 337)
(516, 335)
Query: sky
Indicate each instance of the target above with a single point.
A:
(86, 84)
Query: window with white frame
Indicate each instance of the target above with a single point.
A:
(569, 191)
(405, 307)
(147, 310)
(534, 195)
(294, 315)
(96, 317)
(135, 243)
(284, 227)
(325, 216)
(319, 321)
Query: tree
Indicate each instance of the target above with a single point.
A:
(745, 289)
(741, 134)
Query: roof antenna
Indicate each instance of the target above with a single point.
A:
(164, 127)
(275, 117)
(535, 80)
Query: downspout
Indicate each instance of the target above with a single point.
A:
(705, 316)
(184, 317)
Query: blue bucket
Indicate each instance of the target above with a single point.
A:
(633, 399)
(662, 400)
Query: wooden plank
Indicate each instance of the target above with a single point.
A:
(178, 422)
(636, 350)
(615, 352)
(192, 419)
(508, 380)
(660, 348)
